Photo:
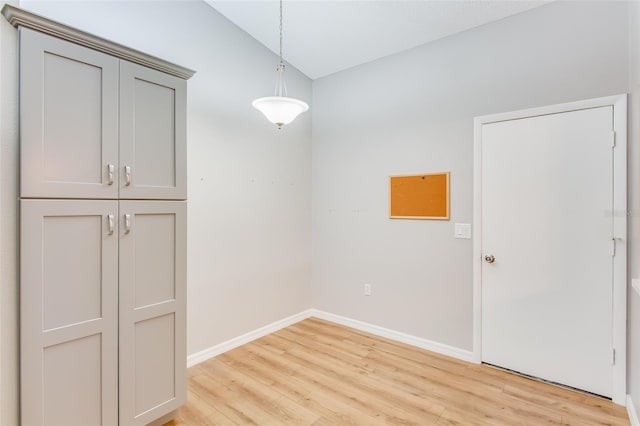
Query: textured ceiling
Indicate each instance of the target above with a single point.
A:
(322, 37)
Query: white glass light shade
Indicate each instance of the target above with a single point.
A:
(280, 110)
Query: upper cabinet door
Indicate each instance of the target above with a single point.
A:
(152, 134)
(68, 119)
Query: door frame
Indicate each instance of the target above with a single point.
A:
(619, 104)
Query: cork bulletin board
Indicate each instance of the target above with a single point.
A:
(424, 196)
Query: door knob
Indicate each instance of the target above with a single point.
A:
(489, 258)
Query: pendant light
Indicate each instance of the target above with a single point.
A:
(280, 109)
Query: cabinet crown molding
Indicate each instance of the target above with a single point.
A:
(21, 18)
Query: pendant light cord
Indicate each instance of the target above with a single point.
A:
(281, 85)
(281, 61)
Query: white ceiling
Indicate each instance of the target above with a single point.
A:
(322, 37)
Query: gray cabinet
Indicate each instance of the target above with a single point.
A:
(95, 126)
(152, 134)
(152, 309)
(69, 312)
(103, 235)
(68, 119)
(102, 311)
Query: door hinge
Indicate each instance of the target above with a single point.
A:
(613, 247)
(613, 356)
(613, 139)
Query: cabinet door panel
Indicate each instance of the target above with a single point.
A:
(69, 323)
(71, 382)
(152, 309)
(68, 119)
(155, 362)
(152, 134)
(155, 254)
(73, 274)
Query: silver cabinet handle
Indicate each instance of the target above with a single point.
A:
(127, 223)
(127, 175)
(110, 171)
(110, 224)
(489, 258)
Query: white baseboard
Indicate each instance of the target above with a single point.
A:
(220, 348)
(419, 342)
(631, 411)
(396, 335)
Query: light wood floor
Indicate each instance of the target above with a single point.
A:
(319, 373)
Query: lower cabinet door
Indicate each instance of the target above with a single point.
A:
(152, 309)
(68, 310)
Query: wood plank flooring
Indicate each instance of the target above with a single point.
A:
(319, 373)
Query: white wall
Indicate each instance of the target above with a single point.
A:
(413, 113)
(249, 184)
(633, 353)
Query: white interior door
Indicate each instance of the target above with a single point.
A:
(547, 198)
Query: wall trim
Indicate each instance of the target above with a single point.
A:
(419, 342)
(398, 336)
(631, 411)
(233, 343)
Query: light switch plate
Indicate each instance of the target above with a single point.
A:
(463, 230)
(635, 283)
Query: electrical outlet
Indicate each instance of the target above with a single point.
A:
(367, 289)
